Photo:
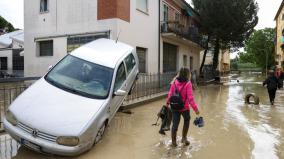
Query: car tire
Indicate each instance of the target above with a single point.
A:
(100, 134)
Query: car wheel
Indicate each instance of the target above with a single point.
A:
(100, 133)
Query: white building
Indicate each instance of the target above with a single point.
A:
(53, 28)
(223, 60)
(11, 46)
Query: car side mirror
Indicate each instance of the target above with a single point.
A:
(120, 93)
(50, 67)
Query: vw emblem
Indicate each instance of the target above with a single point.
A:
(35, 133)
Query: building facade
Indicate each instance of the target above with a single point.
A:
(279, 47)
(180, 38)
(54, 28)
(11, 47)
(224, 62)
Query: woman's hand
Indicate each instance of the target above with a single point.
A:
(197, 113)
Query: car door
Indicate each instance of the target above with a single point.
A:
(119, 84)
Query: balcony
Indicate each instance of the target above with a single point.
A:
(190, 33)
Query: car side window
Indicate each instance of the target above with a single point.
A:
(130, 63)
(120, 77)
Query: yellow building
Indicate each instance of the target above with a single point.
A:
(279, 47)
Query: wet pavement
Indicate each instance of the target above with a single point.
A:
(232, 129)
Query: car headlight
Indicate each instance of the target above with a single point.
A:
(68, 140)
(11, 118)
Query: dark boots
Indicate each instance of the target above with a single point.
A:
(174, 138)
(184, 135)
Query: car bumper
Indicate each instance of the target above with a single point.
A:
(44, 146)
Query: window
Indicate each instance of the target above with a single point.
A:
(165, 13)
(3, 63)
(130, 63)
(18, 60)
(75, 42)
(120, 77)
(177, 16)
(43, 6)
(46, 48)
(184, 61)
(141, 53)
(191, 63)
(81, 77)
(142, 5)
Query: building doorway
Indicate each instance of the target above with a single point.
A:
(169, 57)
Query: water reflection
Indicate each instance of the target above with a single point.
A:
(254, 120)
(232, 129)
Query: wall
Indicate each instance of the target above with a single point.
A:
(279, 27)
(80, 16)
(142, 31)
(184, 49)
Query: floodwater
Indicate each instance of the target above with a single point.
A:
(233, 129)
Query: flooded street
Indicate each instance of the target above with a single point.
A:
(232, 129)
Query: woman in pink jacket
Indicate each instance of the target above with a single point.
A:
(184, 86)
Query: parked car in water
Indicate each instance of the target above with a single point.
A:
(66, 111)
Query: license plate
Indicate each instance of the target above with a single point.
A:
(30, 145)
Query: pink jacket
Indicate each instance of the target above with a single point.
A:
(186, 94)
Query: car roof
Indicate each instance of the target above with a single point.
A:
(104, 52)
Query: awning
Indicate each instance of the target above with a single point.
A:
(189, 12)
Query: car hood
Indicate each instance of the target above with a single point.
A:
(54, 111)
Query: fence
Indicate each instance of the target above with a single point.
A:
(149, 85)
(10, 88)
(8, 147)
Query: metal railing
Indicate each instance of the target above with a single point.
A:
(149, 85)
(189, 32)
(8, 147)
(10, 88)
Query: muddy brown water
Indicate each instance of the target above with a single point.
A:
(232, 129)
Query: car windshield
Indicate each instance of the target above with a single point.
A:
(81, 77)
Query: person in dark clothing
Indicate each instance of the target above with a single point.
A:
(272, 84)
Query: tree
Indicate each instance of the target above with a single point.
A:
(234, 63)
(259, 46)
(226, 22)
(6, 25)
(246, 58)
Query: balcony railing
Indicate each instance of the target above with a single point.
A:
(188, 32)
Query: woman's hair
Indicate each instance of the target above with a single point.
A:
(184, 74)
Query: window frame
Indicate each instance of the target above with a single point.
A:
(165, 12)
(128, 71)
(39, 54)
(75, 42)
(47, 6)
(145, 51)
(140, 9)
(191, 62)
(115, 79)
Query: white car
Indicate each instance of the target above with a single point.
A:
(67, 110)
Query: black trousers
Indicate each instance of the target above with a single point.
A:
(271, 93)
(176, 119)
